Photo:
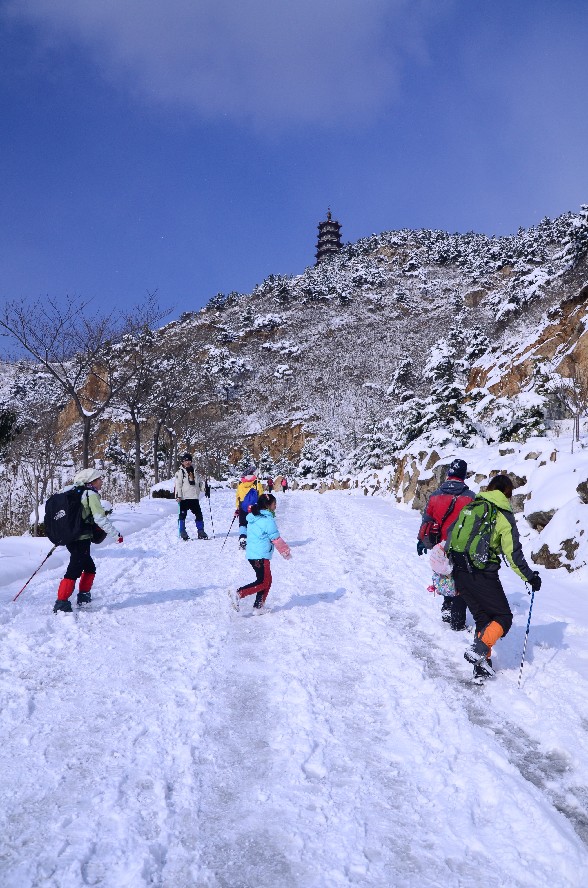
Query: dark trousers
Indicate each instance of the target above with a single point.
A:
(80, 560)
(242, 522)
(483, 593)
(457, 609)
(190, 505)
(263, 580)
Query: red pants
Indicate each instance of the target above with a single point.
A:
(263, 580)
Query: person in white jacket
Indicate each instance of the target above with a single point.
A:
(188, 487)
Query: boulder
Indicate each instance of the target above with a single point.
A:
(539, 520)
(518, 501)
(553, 560)
(432, 460)
(409, 489)
(546, 558)
(424, 488)
(582, 491)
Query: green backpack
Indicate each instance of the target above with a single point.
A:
(469, 541)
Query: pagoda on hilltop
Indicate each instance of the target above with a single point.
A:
(329, 238)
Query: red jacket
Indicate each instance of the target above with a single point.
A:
(440, 501)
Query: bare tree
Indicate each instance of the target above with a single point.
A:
(71, 344)
(38, 453)
(572, 393)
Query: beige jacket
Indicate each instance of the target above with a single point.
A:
(183, 490)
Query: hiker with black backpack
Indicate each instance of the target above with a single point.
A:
(188, 486)
(249, 490)
(85, 526)
(441, 510)
(485, 531)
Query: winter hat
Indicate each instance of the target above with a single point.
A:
(86, 476)
(251, 470)
(187, 456)
(457, 469)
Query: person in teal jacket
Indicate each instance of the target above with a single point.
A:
(262, 536)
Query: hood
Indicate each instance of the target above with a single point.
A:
(497, 498)
(453, 486)
(248, 479)
(264, 513)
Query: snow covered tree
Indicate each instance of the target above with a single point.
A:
(376, 445)
(265, 464)
(245, 462)
(318, 458)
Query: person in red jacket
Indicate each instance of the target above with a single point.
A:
(443, 507)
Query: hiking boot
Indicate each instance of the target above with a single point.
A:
(64, 606)
(446, 609)
(259, 609)
(84, 598)
(184, 535)
(243, 542)
(482, 671)
(457, 627)
(202, 535)
(477, 652)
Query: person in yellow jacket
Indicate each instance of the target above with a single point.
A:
(249, 490)
(481, 589)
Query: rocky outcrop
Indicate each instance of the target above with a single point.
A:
(539, 520)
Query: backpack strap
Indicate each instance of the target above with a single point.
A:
(447, 514)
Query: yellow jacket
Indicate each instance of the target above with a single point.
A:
(245, 486)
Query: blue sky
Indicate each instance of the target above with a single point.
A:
(192, 146)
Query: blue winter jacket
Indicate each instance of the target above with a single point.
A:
(261, 530)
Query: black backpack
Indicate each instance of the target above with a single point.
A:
(63, 517)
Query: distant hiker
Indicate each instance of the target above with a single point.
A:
(270, 485)
(81, 564)
(485, 530)
(188, 486)
(248, 492)
(443, 507)
(262, 536)
(284, 485)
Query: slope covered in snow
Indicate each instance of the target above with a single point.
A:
(161, 739)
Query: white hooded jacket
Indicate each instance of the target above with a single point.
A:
(183, 489)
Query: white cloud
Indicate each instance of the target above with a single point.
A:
(260, 60)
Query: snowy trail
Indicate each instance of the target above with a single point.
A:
(161, 739)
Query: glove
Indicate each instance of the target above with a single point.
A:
(535, 581)
(283, 548)
(421, 548)
(236, 513)
(207, 491)
(120, 540)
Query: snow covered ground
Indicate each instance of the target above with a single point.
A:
(161, 739)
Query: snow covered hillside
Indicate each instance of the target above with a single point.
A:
(161, 739)
(403, 339)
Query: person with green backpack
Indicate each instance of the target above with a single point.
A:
(484, 531)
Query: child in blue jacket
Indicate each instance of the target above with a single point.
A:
(262, 536)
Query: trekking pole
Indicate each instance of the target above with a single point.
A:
(526, 636)
(227, 536)
(210, 507)
(51, 551)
